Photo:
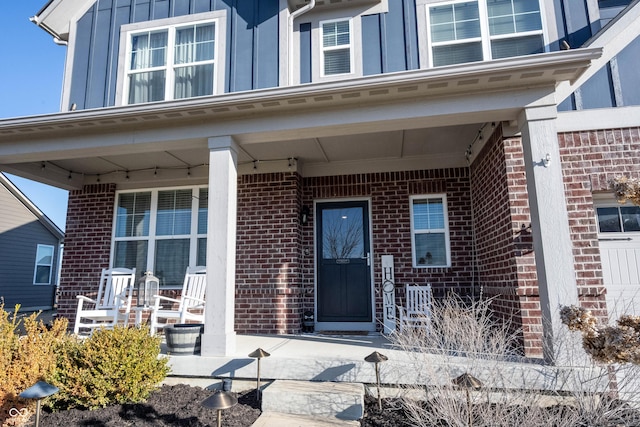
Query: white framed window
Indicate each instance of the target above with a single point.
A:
(162, 231)
(430, 244)
(44, 265)
(478, 30)
(337, 47)
(173, 58)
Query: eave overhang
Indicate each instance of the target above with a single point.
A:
(511, 74)
(56, 16)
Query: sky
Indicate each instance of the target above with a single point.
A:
(32, 85)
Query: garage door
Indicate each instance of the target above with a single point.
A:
(619, 236)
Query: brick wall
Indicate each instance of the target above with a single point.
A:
(391, 230)
(506, 265)
(87, 244)
(589, 160)
(268, 276)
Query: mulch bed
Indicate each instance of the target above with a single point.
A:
(175, 405)
(180, 405)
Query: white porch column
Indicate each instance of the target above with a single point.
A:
(219, 337)
(549, 221)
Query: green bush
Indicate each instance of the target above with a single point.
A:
(120, 365)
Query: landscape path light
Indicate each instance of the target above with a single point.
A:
(258, 354)
(468, 382)
(39, 391)
(218, 401)
(376, 358)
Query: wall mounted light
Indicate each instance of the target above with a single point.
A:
(304, 214)
(546, 160)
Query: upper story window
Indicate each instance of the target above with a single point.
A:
(337, 50)
(430, 231)
(468, 31)
(173, 58)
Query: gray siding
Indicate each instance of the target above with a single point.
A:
(252, 43)
(619, 76)
(20, 234)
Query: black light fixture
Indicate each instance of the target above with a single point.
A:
(304, 214)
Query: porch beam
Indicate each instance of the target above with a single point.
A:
(219, 338)
(549, 222)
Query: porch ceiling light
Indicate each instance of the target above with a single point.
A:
(377, 358)
(218, 401)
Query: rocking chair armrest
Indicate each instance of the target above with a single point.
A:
(159, 298)
(86, 299)
(198, 300)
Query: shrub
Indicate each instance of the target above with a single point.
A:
(115, 366)
(467, 338)
(25, 359)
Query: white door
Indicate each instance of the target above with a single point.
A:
(619, 236)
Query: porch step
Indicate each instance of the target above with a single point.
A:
(343, 401)
(275, 419)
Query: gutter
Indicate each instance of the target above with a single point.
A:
(306, 8)
(56, 37)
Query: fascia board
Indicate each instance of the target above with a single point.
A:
(50, 225)
(56, 17)
(554, 63)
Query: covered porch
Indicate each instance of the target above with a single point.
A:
(321, 143)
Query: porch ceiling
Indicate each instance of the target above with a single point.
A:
(400, 121)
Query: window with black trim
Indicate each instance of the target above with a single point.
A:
(618, 219)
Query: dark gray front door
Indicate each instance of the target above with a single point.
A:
(344, 282)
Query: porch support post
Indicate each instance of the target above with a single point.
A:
(549, 222)
(219, 338)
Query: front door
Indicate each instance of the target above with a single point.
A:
(343, 266)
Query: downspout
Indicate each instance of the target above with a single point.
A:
(306, 8)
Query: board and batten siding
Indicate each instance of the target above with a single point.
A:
(20, 234)
(251, 44)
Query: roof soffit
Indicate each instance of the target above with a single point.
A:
(56, 17)
(524, 72)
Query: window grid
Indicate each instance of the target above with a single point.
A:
(174, 242)
(525, 37)
(44, 265)
(430, 244)
(170, 71)
(337, 47)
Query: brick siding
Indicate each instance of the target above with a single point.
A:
(589, 160)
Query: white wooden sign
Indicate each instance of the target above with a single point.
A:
(388, 294)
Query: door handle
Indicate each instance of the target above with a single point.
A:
(368, 258)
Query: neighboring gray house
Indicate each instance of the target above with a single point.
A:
(30, 246)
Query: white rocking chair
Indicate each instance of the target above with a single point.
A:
(417, 313)
(190, 305)
(112, 303)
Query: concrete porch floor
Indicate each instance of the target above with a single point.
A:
(318, 357)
